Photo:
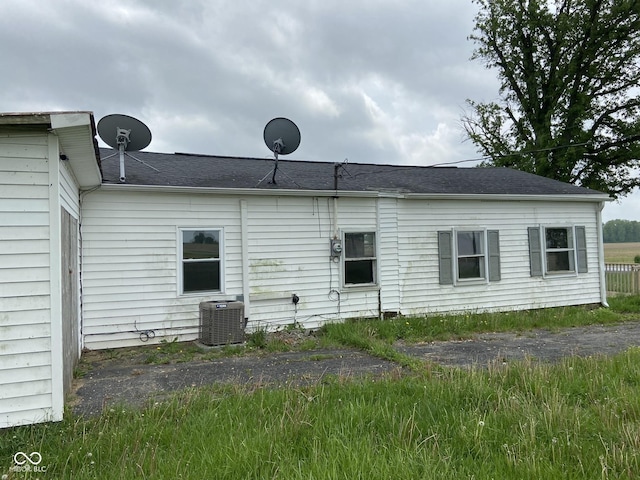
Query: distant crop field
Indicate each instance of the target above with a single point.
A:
(621, 252)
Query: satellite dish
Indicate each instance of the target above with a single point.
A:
(282, 136)
(126, 134)
(116, 130)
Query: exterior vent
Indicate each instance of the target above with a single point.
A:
(221, 323)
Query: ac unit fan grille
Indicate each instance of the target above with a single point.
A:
(221, 323)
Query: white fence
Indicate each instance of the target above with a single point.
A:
(623, 277)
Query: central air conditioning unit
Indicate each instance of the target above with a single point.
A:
(221, 323)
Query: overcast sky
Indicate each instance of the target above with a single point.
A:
(374, 81)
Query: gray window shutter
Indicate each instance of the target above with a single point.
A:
(581, 247)
(493, 241)
(535, 252)
(445, 258)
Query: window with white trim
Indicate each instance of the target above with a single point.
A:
(465, 256)
(360, 258)
(201, 260)
(470, 254)
(557, 250)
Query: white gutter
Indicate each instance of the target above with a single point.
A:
(234, 191)
(603, 279)
(357, 193)
(514, 197)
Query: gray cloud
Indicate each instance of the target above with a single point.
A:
(374, 81)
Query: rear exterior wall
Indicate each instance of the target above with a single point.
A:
(275, 246)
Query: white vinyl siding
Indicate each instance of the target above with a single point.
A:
(130, 264)
(388, 255)
(132, 258)
(420, 221)
(289, 241)
(70, 314)
(69, 190)
(25, 291)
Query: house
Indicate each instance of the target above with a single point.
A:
(89, 261)
(46, 159)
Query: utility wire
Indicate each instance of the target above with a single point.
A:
(478, 159)
(514, 154)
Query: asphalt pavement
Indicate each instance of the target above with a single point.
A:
(112, 383)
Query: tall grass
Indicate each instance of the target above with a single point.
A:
(627, 306)
(373, 335)
(577, 419)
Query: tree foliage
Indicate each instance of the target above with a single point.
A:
(621, 231)
(569, 102)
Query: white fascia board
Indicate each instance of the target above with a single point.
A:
(70, 119)
(235, 191)
(54, 119)
(76, 133)
(590, 198)
(595, 198)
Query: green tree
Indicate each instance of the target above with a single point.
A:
(568, 105)
(621, 231)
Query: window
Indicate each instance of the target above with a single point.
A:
(471, 257)
(467, 255)
(557, 250)
(201, 260)
(359, 258)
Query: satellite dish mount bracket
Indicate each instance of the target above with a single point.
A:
(282, 137)
(278, 146)
(122, 139)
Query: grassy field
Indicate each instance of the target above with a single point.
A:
(576, 419)
(621, 252)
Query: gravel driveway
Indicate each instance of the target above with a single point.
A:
(112, 383)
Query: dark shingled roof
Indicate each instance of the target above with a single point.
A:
(188, 170)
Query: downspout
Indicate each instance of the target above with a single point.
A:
(335, 219)
(603, 279)
(335, 292)
(244, 238)
(336, 175)
(377, 273)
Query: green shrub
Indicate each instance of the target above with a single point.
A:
(636, 259)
